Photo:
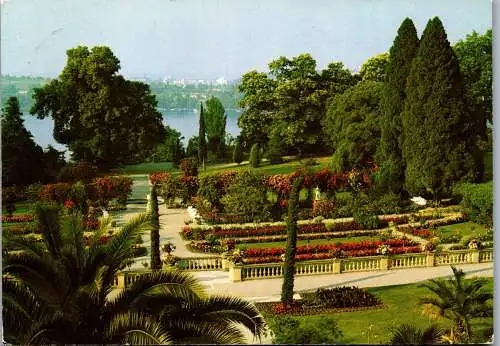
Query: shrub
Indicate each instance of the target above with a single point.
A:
(255, 156)
(32, 192)
(189, 167)
(274, 150)
(324, 208)
(59, 192)
(289, 330)
(9, 198)
(477, 200)
(82, 170)
(340, 297)
(386, 204)
(238, 153)
(366, 220)
(247, 196)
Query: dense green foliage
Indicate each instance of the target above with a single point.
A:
(172, 149)
(352, 125)
(56, 292)
(391, 175)
(375, 68)
(475, 57)
(102, 117)
(238, 152)
(215, 123)
(274, 150)
(21, 156)
(155, 229)
(255, 156)
(440, 132)
(246, 196)
(291, 242)
(477, 200)
(289, 330)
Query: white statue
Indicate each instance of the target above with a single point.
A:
(317, 193)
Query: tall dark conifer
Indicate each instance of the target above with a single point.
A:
(291, 242)
(402, 52)
(439, 130)
(202, 145)
(155, 231)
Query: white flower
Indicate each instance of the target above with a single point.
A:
(419, 200)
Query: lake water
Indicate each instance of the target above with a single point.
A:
(183, 120)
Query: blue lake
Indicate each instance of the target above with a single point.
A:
(183, 120)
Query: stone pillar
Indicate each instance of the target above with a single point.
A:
(474, 256)
(429, 259)
(121, 280)
(225, 265)
(235, 273)
(384, 263)
(337, 266)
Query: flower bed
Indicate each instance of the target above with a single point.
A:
(313, 252)
(22, 229)
(18, 218)
(312, 236)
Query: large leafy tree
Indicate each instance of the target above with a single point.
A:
(352, 125)
(460, 300)
(58, 291)
(215, 124)
(102, 117)
(299, 102)
(402, 52)
(202, 144)
(375, 68)
(440, 131)
(21, 156)
(258, 106)
(475, 58)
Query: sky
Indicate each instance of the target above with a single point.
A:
(208, 39)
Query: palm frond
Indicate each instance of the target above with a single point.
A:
(137, 329)
(48, 220)
(204, 332)
(406, 334)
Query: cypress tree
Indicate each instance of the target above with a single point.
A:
(439, 130)
(402, 53)
(202, 144)
(274, 150)
(255, 156)
(155, 231)
(238, 152)
(291, 242)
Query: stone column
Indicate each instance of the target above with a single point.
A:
(337, 266)
(474, 256)
(235, 273)
(384, 263)
(121, 280)
(429, 259)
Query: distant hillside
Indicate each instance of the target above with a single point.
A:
(168, 96)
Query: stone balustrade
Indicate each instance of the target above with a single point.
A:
(241, 272)
(200, 263)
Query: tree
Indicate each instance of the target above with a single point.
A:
(60, 294)
(215, 122)
(352, 125)
(102, 117)
(291, 242)
(255, 156)
(202, 144)
(192, 147)
(290, 331)
(53, 162)
(258, 106)
(171, 149)
(474, 55)
(21, 156)
(440, 132)
(460, 300)
(402, 52)
(238, 152)
(408, 334)
(375, 68)
(299, 102)
(155, 229)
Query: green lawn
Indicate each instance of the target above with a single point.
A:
(307, 242)
(146, 168)
(462, 229)
(22, 208)
(403, 306)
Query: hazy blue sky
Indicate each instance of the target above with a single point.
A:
(212, 38)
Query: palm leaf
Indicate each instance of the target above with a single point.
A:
(204, 332)
(137, 329)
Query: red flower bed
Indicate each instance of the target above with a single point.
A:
(55, 192)
(91, 224)
(159, 177)
(423, 233)
(18, 218)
